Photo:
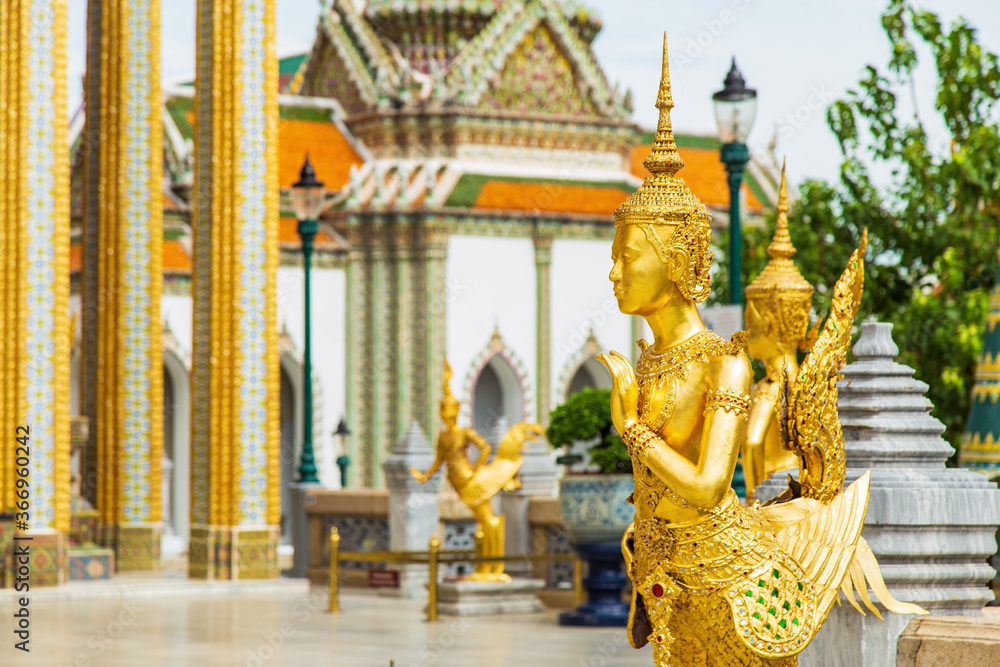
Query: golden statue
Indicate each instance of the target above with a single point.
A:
(477, 483)
(777, 319)
(717, 583)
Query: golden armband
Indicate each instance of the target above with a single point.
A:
(730, 400)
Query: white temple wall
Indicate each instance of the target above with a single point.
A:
(329, 333)
(582, 301)
(176, 314)
(491, 284)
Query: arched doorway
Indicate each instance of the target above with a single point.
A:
(590, 373)
(497, 397)
(176, 456)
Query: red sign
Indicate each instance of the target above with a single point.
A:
(383, 579)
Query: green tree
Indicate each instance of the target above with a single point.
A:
(586, 415)
(931, 212)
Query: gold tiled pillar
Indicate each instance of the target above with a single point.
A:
(122, 275)
(235, 441)
(34, 274)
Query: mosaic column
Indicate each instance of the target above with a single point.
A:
(236, 484)
(122, 277)
(980, 447)
(543, 321)
(431, 333)
(34, 278)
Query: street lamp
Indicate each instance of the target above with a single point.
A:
(735, 107)
(343, 461)
(307, 200)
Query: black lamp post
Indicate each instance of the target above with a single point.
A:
(343, 461)
(307, 199)
(735, 107)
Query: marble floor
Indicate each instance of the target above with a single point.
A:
(180, 624)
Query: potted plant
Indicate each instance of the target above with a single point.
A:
(594, 505)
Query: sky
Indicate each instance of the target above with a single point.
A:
(799, 56)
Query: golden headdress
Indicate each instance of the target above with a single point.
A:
(446, 396)
(780, 293)
(665, 201)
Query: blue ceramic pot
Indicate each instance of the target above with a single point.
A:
(595, 507)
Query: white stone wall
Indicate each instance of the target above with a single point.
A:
(491, 283)
(582, 301)
(329, 338)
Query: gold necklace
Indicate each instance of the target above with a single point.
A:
(659, 374)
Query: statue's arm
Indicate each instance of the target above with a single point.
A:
(484, 447)
(761, 415)
(706, 482)
(424, 476)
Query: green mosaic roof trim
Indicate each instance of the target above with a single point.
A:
(291, 64)
(467, 190)
(179, 107)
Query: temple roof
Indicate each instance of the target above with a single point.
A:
(453, 53)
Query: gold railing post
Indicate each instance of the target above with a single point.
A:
(334, 570)
(578, 580)
(432, 578)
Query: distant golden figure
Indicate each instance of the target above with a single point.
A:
(477, 483)
(777, 320)
(717, 583)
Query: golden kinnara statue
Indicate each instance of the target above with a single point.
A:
(477, 483)
(717, 583)
(777, 319)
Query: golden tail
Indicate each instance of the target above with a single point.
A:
(862, 573)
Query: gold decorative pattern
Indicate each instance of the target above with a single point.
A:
(34, 241)
(125, 174)
(730, 400)
(235, 444)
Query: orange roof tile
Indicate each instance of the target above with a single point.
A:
(75, 257)
(584, 199)
(329, 151)
(703, 172)
(175, 257)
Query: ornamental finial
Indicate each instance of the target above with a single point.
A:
(781, 244)
(664, 159)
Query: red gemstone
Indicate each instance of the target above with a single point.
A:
(658, 590)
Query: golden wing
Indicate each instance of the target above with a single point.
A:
(825, 540)
(813, 423)
(500, 473)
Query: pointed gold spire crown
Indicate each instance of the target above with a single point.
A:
(663, 198)
(446, 396)
(781, 275)
(779, 292)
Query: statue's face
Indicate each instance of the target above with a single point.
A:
(449, 412)
(642, 282)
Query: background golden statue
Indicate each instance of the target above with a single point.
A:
(777, 319)
(717, 583)
(477, 483)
